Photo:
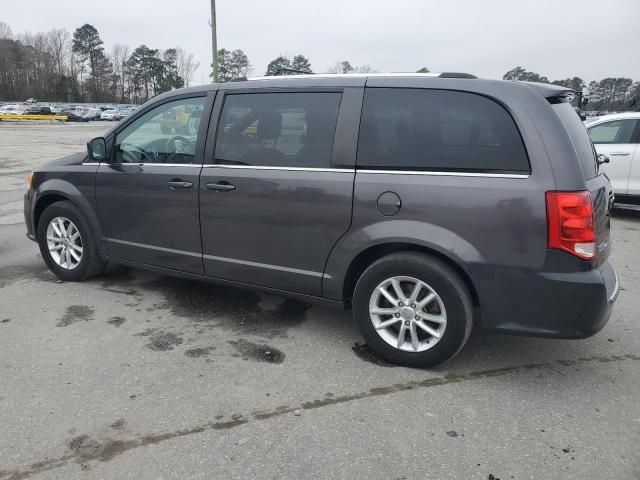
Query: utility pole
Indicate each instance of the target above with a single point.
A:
(214, 42)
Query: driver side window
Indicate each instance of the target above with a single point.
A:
(617, 131)
(165, 134)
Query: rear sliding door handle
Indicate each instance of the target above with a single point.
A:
(177, 185)
(619, 154)
(220, 187)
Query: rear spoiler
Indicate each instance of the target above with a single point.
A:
(553, 93)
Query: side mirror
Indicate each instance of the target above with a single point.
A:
(601, 159)
(97, 149)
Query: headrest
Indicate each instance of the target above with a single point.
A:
(269, 125)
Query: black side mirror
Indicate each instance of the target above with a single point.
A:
(97, 149)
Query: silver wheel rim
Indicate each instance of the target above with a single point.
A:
(408, 314)
(64, 243)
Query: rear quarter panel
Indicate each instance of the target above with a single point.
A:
(473, 220)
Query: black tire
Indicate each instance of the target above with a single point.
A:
(90, 263)
(436, 274)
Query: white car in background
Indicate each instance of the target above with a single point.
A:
(618, 137)
(108, 115)
(12, 109)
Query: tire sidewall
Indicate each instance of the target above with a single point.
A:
(67, 210)
(439, 278)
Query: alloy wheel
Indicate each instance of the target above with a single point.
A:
(407, 314)
(64, 243)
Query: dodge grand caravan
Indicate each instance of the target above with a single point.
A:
(430, 204)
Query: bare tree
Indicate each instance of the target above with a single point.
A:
(119, 57)
(363, 69)
(341, 66)
(58, 40)
(5, 31)
(344, 66)
(186, 65)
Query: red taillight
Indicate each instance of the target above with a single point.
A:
(571, 223)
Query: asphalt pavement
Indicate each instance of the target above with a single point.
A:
(133, 375)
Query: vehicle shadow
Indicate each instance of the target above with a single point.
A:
(626, 211)
(245, 311)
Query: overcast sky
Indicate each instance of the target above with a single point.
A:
(556, 38)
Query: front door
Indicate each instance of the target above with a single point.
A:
(147, 196)
(615, 140)
(274, 199)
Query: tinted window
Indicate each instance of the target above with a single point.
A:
(618, 131)
(578, 134)
(278, 129)
(165, 134)
(415, 129)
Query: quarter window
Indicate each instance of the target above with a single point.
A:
(277, 129)
(618, 131)
(165, 134)
(438, 130)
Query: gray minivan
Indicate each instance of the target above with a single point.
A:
(428, 203)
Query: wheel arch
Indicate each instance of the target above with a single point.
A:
(369, 255)
(54, 191)
(41, 205)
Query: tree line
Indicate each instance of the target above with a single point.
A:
(235, 64)
(59, 66)
(609, 94)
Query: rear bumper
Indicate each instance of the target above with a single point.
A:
(546, 304)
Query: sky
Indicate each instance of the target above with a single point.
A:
(592, 39)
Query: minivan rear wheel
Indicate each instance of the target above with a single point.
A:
(413, 309)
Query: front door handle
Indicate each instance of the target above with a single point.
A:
(220, 187)
(618, 154)
(178, 184)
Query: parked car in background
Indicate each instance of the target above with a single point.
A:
(92, 113)
(37, 110)
(124, 112)
(430, 204)
(31, 110)
(12, 109)
(108, 115)
(617, 136)
(74, 116)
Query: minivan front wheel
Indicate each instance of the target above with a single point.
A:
(413, 309)
(64, 243)
(67, 244)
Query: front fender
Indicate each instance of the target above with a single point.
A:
(409, 232)
(80, 193)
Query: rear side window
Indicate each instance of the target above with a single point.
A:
(438, 130)
(617, 131)
(277, 129)
(578, 134)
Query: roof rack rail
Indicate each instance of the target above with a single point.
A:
(456, 75)
(287, 71)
